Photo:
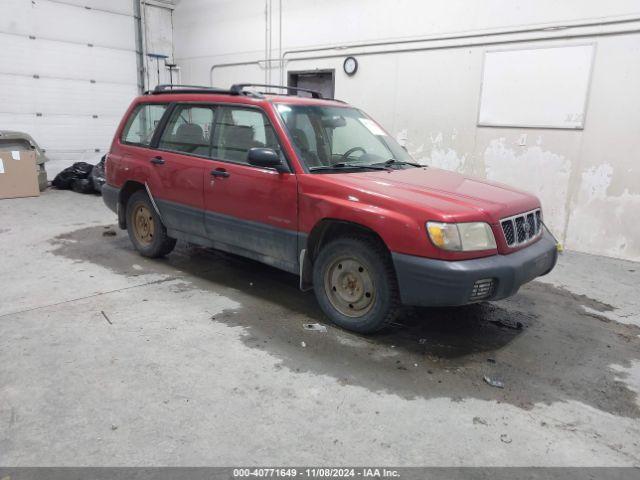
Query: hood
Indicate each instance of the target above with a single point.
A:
(449, 195)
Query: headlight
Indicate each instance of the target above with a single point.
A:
(464, 237)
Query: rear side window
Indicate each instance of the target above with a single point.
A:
(189, 130)
(239, 129)
(142, 123)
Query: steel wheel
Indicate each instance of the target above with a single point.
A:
(143, 225)
(349, 287)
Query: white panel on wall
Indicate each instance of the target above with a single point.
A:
(48, 58)
(159, 31)
(125, 8)
(52, 96)
(69, 23)
(66, 138)
(539, 87)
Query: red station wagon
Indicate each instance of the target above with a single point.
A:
(317, 188)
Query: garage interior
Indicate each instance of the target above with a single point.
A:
(204, 358)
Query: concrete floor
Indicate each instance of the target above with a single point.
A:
(199, 360)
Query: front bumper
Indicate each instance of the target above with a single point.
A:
(429, 282)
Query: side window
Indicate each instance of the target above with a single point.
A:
(189, 130)
(239, 129)
(142, 123)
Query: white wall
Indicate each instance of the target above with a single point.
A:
(588, 179)
(67, 73)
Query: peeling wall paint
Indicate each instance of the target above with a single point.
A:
(601, 223)
(439, 155)
(593, 221)
(544, 173)
(447, 159)
(596, 181)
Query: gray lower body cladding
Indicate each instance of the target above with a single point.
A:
(274, 246)
(422, 281)
(111, 197)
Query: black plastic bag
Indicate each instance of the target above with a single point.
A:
(77, 171)
(82, 185)
(97, 175)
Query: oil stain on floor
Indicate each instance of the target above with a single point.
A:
(541, 344)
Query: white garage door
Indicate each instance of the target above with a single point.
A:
(67, 73)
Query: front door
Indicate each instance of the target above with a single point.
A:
(250, 211)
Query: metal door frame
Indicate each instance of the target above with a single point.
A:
(291, 74)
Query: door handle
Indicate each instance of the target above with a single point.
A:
(157, 160)
(220, 172)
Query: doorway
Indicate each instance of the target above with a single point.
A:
(322, 81)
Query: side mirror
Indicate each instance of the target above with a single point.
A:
(266, 158)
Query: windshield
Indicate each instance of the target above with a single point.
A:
(330, 137)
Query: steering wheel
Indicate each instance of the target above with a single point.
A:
(351, 151)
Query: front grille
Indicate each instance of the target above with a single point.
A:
(509, 233)
(482, 289)
(522, 228)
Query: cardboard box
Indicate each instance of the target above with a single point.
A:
(18, 174)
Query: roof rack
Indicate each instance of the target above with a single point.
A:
(238, 89)
(165, 88)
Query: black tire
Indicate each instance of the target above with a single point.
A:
(380, 277)
(157, 243)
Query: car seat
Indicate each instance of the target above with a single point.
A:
(189, 137)
(302, 142)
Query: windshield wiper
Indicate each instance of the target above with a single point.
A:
(347, 166)
(393, 161)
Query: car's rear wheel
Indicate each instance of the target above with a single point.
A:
(355, 284)
(145, 228)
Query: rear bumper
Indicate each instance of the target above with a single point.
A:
(429, 282)
(110, 196)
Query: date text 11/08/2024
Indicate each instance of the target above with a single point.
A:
(316, 473)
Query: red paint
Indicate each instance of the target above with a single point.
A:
(254, 194)
(396, 204)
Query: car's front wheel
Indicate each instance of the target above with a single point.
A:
(145, 228)
(355, 284)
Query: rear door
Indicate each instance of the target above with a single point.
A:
(249, 210)
(179, 163)
(132, 151)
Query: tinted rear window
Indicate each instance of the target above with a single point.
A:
(189, 130)
(142, 124)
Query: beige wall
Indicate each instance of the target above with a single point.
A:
(588, 180)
